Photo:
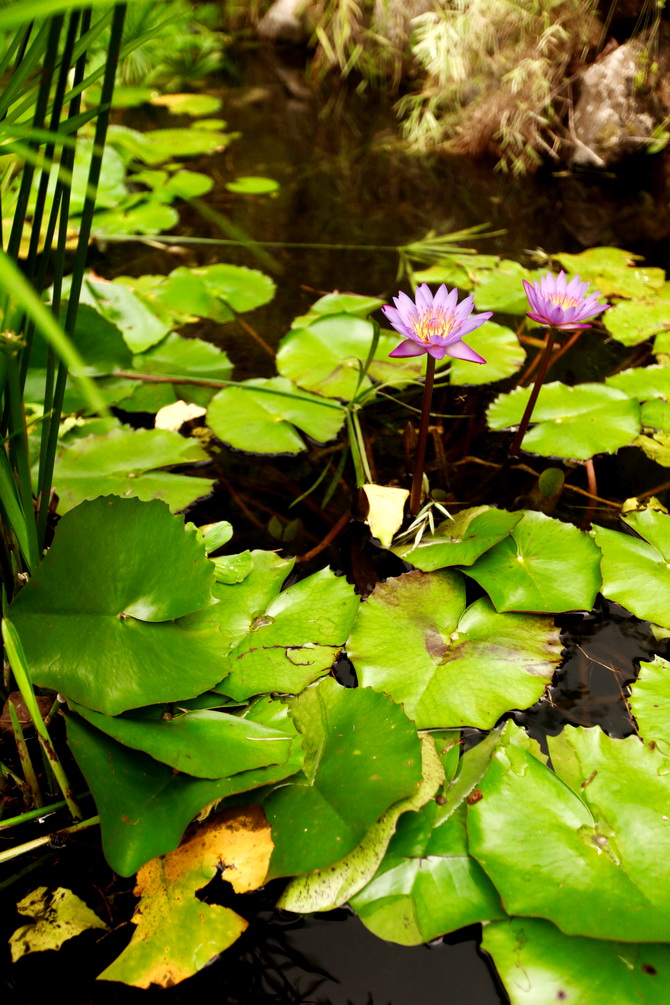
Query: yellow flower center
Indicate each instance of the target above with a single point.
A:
(428, 326)
(563, 300)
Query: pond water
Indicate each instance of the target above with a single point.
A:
(346, 181)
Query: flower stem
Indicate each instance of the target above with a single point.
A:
(541, 373)
(417, 481)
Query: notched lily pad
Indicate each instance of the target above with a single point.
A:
(636, 570)
(447, 664)
(543, 565)
(461, 540)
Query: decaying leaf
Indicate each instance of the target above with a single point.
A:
(176, 933)
(174, 416)
(58, 915)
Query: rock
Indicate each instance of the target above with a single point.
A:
(392, 19)
(610, 121)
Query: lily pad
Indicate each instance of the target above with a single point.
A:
(447, 664)
(539, 965)
(325, 357)
(573, 422)
(500, 348)
(296, 639)
(614, 272)
(141, 328)
(213, 291)
(327, 889)
(586, 847)
(125, 463)
(144, 805)
(188, 104)
(427, 884)
(260, 416)
(203, 743)
(643, 382)
(502, 289)
(58, 915)
(362, 755)
(632, 322)
(98, 341)
(542, 565)
(253, 185)
(636, 573)
(157, 146)
(461, 540)
(150, 217)
(102, 619)
(650, 702)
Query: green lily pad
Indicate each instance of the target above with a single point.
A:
(103, 618)
(614, 272)
(125, 463)
(327, 889)
(543, 565)
(158, 146)
(427, 884)
(586, 847)
(500, 348)
(253, 185)
(655, 415)
(461, 540)
(213, 291)
(231, 569)
(650, 702)
(458, 270)
(260, 416)
(636, 573)
(573, 422)
(180, 357)
(188, 104)
(203, 743)
(502, 289)
(325, 357)
(539, 965)
(362, 755)
(186, 185)
(632, 322)
(150, 217)
(98, 341)
(450, 666)
(643, 382)
(144, 805)
(141, 328)
(296, 639)
(242, 605)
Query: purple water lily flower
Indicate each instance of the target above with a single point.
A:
(435, 324)
(560, 304)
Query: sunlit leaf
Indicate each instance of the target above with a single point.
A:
(324, 357)
(188, 104)
(140, 327)
(447, 664)
(632, 322)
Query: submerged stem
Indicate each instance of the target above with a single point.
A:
(417, 481)
(541, 373)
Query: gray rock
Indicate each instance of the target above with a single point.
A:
(610, 121)
(285, 21)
